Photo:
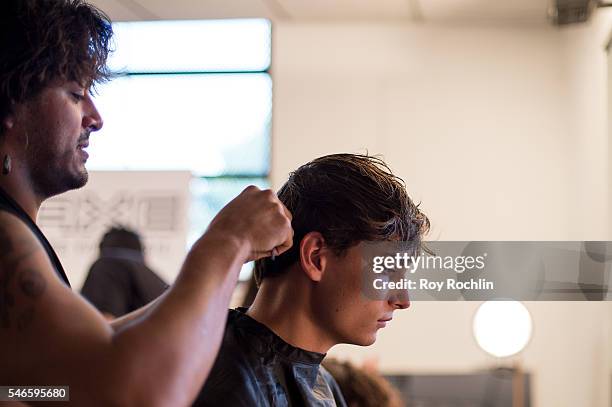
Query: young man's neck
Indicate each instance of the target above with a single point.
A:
(283, 305)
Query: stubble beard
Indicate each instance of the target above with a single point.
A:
(52, 176)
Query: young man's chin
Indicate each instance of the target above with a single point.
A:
(365, 340)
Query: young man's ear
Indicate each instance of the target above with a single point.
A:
(312, 256)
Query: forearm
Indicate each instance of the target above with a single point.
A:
(141, 312)
(180, 335)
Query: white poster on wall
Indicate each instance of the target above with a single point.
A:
(153, 203)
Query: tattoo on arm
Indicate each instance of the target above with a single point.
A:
(30, 282)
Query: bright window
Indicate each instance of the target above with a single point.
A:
(190, 95)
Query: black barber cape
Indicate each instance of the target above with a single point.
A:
(8, 204)
(255, 367)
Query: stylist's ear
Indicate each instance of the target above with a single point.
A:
(313, 256)
(7, 123)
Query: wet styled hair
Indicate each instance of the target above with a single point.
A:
(43, 41)
(348, 198)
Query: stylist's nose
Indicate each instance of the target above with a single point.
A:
(91, 117)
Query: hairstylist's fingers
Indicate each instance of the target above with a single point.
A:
(286, 245)
(287, 212)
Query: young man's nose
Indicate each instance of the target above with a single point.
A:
(400, 299)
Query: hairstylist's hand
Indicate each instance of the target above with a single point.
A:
(258, 220)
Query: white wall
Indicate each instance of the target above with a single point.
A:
(474, 120)
(587, 80)
(500, 132)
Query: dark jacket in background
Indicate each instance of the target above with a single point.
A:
(119, 282)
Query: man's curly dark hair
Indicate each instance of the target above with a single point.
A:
(44, 41)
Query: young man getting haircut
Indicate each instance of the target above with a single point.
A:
(51, 52)
(310, 297)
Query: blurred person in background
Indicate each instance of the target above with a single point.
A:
(119, 281)
(363, 387)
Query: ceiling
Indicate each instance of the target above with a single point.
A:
(507, 12)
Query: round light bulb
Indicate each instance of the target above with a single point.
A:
(502, 328)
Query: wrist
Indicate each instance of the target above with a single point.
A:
(238, 247)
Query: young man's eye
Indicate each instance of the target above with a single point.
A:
(78, 96)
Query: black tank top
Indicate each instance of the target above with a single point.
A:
(8, 204)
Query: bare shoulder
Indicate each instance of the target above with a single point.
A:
(39, 315)
(17, 242)
(19, 279)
